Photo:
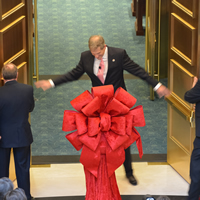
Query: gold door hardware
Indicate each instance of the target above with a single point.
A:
(185, 109)
(192, 119)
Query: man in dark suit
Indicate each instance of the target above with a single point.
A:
(16, 101)
(115, 61)
(193, 96)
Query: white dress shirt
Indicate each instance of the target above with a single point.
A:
(97, 64)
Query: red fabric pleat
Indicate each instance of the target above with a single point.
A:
(102, 187)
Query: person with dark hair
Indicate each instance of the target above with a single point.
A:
(105, 65)
(6, 185)
(15, 132)
(193, 96)
(17, 194)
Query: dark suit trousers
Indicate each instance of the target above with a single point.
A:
(22, 166)
(127, 163)
(194, 191)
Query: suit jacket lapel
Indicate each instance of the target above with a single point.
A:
(90, 64)
(110, 57)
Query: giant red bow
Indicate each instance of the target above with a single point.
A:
(104, 124)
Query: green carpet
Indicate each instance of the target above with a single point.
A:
(64, 27)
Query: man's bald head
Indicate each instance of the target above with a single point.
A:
(9, 71)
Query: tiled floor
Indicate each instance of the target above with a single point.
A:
(68, 180)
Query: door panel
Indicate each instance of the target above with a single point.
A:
(16, 28)
(183, 66)
(186, 6)
(8, 40)
(180, 79)
(7, 8)
(180, 30)
(180, 127)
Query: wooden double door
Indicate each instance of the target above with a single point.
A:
(172, 43)
(184, 55)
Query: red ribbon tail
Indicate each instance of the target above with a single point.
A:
(139, 147)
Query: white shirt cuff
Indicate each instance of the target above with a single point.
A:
(157, 86)
(52, 83)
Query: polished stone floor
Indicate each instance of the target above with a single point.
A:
(65, 180)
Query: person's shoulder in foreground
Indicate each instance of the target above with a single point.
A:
(6, 185)
(17, 194)
(150, 197)
(163, 198)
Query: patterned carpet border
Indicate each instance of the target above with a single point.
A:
(124, 197)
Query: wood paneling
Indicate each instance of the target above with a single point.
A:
(9, 7)
(183, 37)
(11, 46)
(16, 28)
(188, 7)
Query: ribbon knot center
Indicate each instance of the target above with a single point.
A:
(105, 122)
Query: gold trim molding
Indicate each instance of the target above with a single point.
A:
(179, 145)
(182, 68)
(179, 104)
(17, 7)
(184, 9)
(12, 24)
(175, 50)
(17, 55)
(40, 166)
(21, 65)
(36, 42)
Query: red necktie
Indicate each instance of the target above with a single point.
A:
(100, 72)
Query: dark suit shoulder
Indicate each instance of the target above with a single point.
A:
(114, 50)
(25, 86)
(86, 53)
(14, 90)
(16, 84)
